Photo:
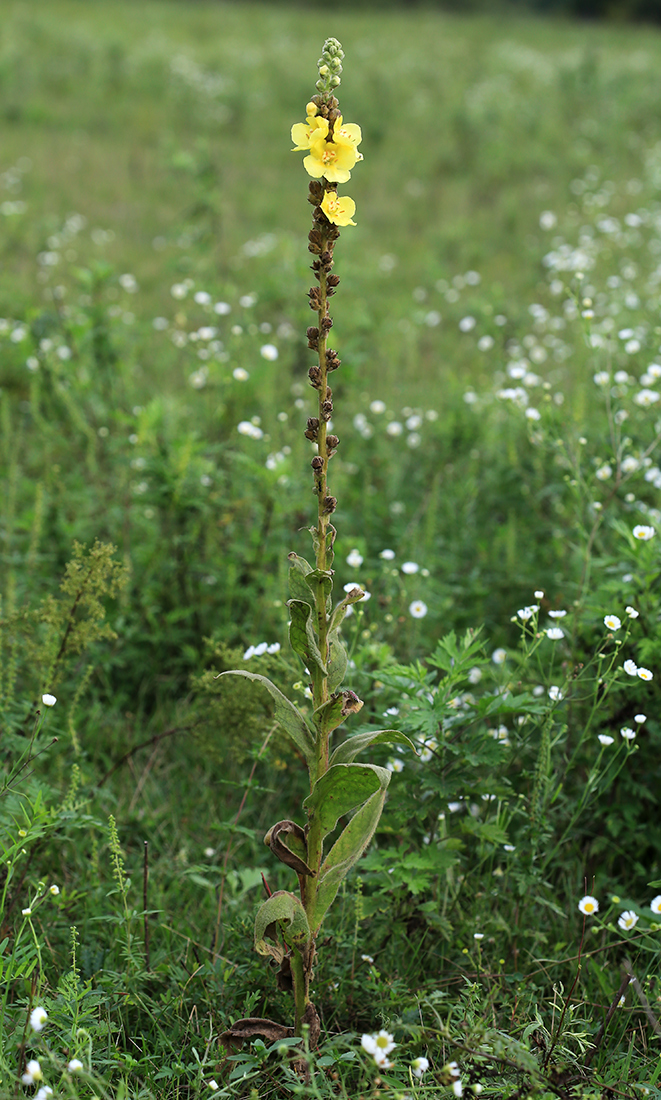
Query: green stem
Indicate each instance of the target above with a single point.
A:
(301, 982)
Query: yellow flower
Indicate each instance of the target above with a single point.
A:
(349, 131)
(303, 133)
(331, 159)
(338, 210)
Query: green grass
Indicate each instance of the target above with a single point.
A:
(165, 127)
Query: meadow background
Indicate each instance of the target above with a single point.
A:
(497, 405)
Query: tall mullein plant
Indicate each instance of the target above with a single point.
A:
(288, 923)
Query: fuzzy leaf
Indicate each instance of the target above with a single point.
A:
(302, 636)
(349, 749)
(331, 714)
(341, 789)
(284, 910)
(318, 578)
(298, 571)
(338, 660)
(286, 840)
(347, 850)
(288, 716)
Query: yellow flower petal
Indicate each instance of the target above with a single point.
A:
(349, 131)
(303, 134)
(332, 159)
(338, 210)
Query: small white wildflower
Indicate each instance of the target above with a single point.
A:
(410, 567)
(32, 1072)
(418, 609)
(538, 594)
(395, 765)
(557, 614)
(555, 633)
(419, 1066)
(644, 674)
(213, 1085)
(457, 1088)
(655, 904)
(532, 414)
(394, 428)
(630, 667)
(387, 555)
(44, 1092)
(499, 656)
(627, 920)
(48, 700)
(269, 351)
(632, 613)
(367, 958)
(643, 532)
(26, 912)
(379, 1044)
(75, 1065)
(38, 1018)
(627, 733)
(605, 739)
(474, 675)
(555, 693)
(602, 378)
(509, 847)
(604, 472)
(54, 890)
(588, 905)
(640, 718)
(354, 559)
(241, 374)
(612, 622)
(478, 935)
(274, 647)
(525, 613)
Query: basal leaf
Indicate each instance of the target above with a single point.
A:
(286, 714)
(349, 749)
(341, 789)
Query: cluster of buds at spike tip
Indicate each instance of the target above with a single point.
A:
(330, 65)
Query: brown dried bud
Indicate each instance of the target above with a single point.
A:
(332, 361)
(330, 504)
(317, 463)
(316, 192)
(326, 323)
(313, 338)
(332, 441)
(314, 374)
(326, 409)
(312, 429)
(333, 280)
(326, 258)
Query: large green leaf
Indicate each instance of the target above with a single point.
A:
(298, 586)
(302, 636)
(331, 714)
(288, 716)
(286, 911)
(349, 749)
(346, 851)
(337, 662)
(341, 789)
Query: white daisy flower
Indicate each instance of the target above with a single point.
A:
(75, 1065)
(38, 1018)
(48, 700)
(643, 532)
(418, 609)
(555, 633)
(605, 739)
(627, 920)
(655, 904)
(630, 667)
(557, 614)
(555, 693)
(44, 1092)
(627, 733)
(387, 555)
(632, 613)
(612, 622)
(499, 656)
(410, 567)
(419, 1066)
(354, 559)
(588, 905)
(32, 1072)
(379, 1045)
(644, 674)
(640, 718)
